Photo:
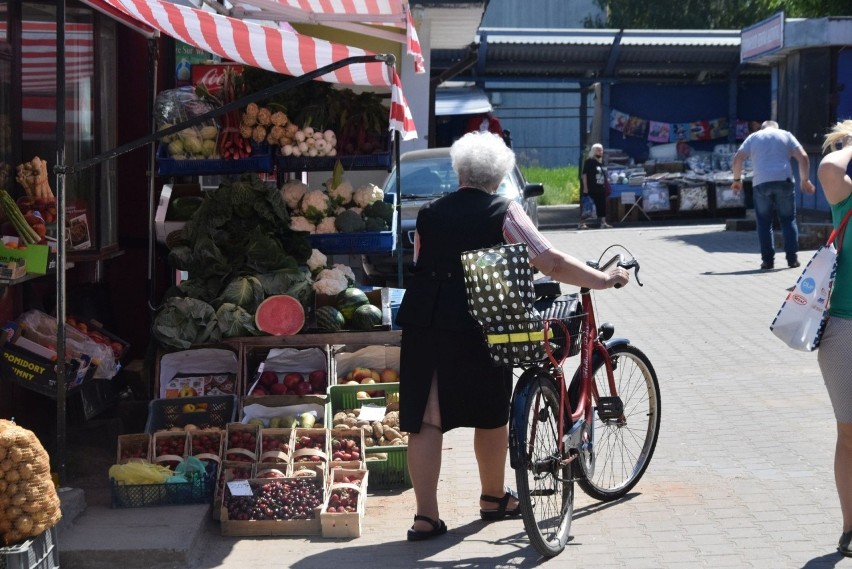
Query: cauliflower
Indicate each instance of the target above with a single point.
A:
(299, 223)
(326, 225)
(331, 282)
(317, 260)
(347, 271)
(292, 192)
(367, 194)
(340, 195)
(315, 205)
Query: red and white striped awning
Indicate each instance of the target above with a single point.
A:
(122, 17)
(275, 48)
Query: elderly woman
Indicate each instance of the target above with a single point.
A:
(448, 380)
(594, 175)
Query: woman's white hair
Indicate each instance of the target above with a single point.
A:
(596, 146)
(839, 135)
(481, 160)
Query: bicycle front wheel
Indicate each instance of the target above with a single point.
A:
(623, 446)
(545, 488)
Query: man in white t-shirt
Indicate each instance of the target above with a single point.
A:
(771, 150)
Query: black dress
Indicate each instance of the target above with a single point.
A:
(438, 333)
(594, 172)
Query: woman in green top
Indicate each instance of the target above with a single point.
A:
(835, 361)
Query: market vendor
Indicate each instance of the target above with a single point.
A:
(447, 376)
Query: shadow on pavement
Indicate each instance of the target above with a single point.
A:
(420, 555)
(722, 241)
(824, 561)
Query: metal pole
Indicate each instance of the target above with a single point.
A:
(152, 192)
(60, 243)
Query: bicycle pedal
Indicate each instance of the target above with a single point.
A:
(610, 408)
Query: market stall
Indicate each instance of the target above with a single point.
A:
(364, 69)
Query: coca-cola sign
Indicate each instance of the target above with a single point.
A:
(211, 75)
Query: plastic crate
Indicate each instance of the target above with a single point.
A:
(168, 413)
(391, 472)
(345, 396)
(363, 242)
(259, 161)
(40, 552)
(198, 491)
(377, 161)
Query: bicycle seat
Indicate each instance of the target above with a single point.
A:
(546, 287)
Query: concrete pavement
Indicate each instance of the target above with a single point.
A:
(741, 478)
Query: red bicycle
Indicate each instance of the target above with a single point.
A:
(599, 431)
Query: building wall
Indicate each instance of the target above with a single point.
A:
(543, 123)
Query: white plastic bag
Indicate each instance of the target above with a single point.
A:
(801, 319)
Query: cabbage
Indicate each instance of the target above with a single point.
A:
(183, 322)
(234, 321)
(246, 292)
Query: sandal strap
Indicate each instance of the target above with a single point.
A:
(419, 518)
(503, 501)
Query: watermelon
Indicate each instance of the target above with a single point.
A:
(280, 315)
(330, 318)
(350, 299)
(366, 317)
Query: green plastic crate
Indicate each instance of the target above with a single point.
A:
(390, 473)
(343, 396)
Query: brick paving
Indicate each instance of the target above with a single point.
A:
(742, 475)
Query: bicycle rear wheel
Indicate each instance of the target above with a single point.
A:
(545, 487)
(623, 447)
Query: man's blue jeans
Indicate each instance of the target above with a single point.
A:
(779, 197)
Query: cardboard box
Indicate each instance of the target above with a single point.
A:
(346, 358)
(162, 224)
(281, 361)
(39, 259)
(249, 528)
(202, 362)
(37, 373)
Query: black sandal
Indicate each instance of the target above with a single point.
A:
(438, 528)
(501, 512)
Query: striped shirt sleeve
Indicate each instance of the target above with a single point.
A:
(519, 228)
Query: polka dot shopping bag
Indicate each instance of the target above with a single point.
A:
(500, 296)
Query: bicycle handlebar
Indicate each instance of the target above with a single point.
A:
(619, 261)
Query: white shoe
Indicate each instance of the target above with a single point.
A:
(605, 225)
(582, 226)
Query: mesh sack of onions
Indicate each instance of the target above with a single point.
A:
(29, 504)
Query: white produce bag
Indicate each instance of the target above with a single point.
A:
(801, 319)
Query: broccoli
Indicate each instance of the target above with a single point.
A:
(380, 209)
(349, 222)
(375, 224)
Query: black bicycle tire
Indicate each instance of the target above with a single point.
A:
(538, 514)
(604, 448)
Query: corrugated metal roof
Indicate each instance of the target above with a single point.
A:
(588, 55)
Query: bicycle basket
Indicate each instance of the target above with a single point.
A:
(569, 310)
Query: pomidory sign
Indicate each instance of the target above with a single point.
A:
(762, 38)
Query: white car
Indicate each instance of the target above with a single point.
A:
(425, 176)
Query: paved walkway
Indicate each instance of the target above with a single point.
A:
(742, 475)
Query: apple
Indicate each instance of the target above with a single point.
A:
(291, 379)
(360, 373)
(368, 381)
(388, 375)
(351, 382)
(278, 389)
(362, 395)
(267, 378)
(258, 391)
(303, 388)
(187, 391)
(188, 408)
(375, 375)
(317, 379)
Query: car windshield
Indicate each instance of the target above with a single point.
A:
(434, 177)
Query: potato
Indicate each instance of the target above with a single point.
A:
(391, 434)
(378, 429)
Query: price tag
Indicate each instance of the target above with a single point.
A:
(240, 488)
(372, 413)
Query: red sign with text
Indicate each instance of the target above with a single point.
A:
(212, 74)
